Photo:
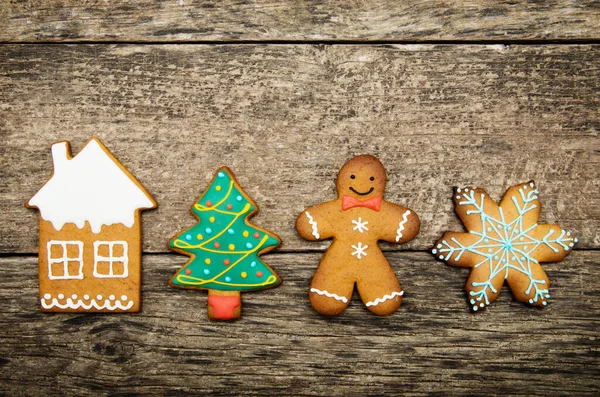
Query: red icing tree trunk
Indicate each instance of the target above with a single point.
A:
(224, 305)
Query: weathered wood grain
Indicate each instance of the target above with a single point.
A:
(285, 118)
(229, 20)
(432, 346)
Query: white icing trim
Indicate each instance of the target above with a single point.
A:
(384, 298)
(65, 259)
(110, 259)
(401, 225)
(329, 295)
(90, 187)
(79, 303)
(315, 230)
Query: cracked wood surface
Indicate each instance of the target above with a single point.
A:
(431, 345)
(285, 118)
(306, 20)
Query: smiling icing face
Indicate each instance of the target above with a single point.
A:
(362, 177)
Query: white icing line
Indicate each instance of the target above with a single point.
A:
(315, 230)
(329, 295)
(401, 225)
(80, 304)
(384, 298)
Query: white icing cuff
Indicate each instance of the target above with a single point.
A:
(329, 295)
(384, 298)
(401, 225)
(311, 221)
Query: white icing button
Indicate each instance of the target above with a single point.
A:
(74, 296)
(99, 297)
(481, 304)
(47, 296)
(123, 297)
(60, 296)
(475, 308)
(86, 297)
(112, 297)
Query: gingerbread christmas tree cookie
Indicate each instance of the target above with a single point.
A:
(90, 232)
(503, 242)
(224, 248)
(356, 220)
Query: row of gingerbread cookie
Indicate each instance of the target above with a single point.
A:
(90, 232)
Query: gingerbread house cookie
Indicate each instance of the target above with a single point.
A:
(90, 232)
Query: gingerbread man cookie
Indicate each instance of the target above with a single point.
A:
(503, 242)
(356, 220)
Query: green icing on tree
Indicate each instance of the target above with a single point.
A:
(224, 248)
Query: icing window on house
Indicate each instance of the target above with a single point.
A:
(110, 259)
(65, 260)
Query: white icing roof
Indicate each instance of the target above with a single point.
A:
(91, 186)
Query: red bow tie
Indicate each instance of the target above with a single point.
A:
(373, 203)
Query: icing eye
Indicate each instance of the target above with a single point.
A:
(372, 178)
(352, 176)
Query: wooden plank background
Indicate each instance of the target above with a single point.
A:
(443, 92)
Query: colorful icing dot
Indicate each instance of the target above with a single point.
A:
(188, 272)
(217, 245)
(231, 247)
(256, 235)
(239, 198)
(212, 219)
(218, 188)
(206, 272)
(229, 206)
(209, 203)
(207, 261)
(226, 262)
(244, 274)
(199, 236)
(228, 279)
(253, 264)
(248, 245)
(221, 174)
(188, 237)
(208, 230)
(259, 274)
(231, 231)
(245, 234)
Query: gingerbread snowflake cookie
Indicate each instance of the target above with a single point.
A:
(503, 242)
(356, 220)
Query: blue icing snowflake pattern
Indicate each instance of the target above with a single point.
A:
(507, 245)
